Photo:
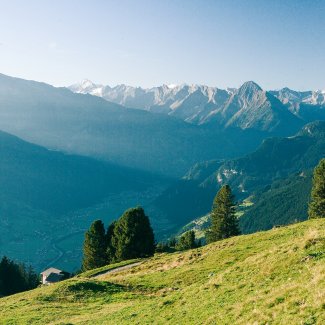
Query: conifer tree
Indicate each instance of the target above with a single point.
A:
(224, 223)
(94, 250)
(317, 203)
(133, 236)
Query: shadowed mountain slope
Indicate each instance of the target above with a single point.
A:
(279, 163)
(46, 195)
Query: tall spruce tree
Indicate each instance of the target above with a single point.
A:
(133, 236)
(224, 223)
(95, 246)
(317, 203)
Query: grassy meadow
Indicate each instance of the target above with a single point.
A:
(272, 277)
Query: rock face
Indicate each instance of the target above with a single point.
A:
(252, 107)
(289, 96)
(307, 105)
(191, 103)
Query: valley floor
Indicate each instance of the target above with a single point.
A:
(273, 277)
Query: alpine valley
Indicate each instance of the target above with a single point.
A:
(181, 182)
(70, 155)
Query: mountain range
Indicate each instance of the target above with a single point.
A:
(246, 107)
(59, 119)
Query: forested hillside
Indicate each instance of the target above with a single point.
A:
(279, 168)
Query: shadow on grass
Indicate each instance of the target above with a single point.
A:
(75, 290)
(94, 287)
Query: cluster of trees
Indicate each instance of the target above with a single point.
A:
(317, 203)
(186, 241)
(131, 236)
(16, 277)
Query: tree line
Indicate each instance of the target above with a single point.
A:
(186, 241)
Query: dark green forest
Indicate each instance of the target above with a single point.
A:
(16, 277)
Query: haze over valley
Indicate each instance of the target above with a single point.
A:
(162, 162)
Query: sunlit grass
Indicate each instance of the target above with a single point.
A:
(274, 277)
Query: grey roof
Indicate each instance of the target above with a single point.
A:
(51, 270)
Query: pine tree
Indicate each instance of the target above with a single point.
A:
(224, 223)
(94, 250)
(317, 203)
(187, 241)
(133, 236)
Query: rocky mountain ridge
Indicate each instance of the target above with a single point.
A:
(246, 107)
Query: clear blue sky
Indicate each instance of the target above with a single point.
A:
(146, 43)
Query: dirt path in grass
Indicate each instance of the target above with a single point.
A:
(117, 269)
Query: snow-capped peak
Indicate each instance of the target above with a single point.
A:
(86, 86)
(86, 83)
(83, 84)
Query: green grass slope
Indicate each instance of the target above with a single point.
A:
(273, 277)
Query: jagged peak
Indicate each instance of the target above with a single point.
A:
(87, 83)
(287, 90)
(249, 93)
(249, 86)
